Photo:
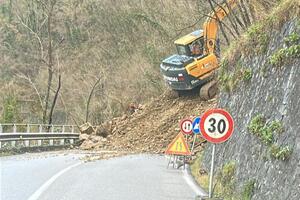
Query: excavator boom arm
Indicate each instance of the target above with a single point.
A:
(210, 26)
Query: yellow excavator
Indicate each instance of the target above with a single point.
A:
(197, 58)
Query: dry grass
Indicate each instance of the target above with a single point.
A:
(248, 43)
(123, 42)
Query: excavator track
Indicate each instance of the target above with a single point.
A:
(209, 90)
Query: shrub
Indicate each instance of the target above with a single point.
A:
(292, 51)
(276, 126)
(293, 38)
(259, 37)
(280, 56)
(226, 178)
(256, 124)
(264, 131)
(247, 75)
(281, 152)
(10, 110)
(248, 190)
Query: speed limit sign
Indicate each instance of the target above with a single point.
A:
(216, 125)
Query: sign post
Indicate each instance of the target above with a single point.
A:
(216, 127)
(196, 130)
(211, 171)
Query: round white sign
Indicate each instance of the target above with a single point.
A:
(186, 126)
(216, 125)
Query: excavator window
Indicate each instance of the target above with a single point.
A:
(182, 50)
(196, 47)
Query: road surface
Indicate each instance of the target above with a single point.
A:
(58, 176)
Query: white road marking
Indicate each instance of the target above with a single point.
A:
(44, 187)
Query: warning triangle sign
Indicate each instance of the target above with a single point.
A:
(178, 146)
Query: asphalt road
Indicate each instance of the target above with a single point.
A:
(57, 176)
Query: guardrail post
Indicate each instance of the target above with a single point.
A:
(52, 128)
(39, 142)
(40, 128)
(72, 129)
(0, 145)
(14, 128)
(63, 129)
(13, 143)
(1, 129)
(51, 142)
(28, 128)
(26, 143)
(62, 141)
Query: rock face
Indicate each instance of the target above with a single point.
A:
(275, 94)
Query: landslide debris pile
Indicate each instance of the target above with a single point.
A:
(150, 128)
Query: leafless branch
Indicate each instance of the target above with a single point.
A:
(36, 36)
(90, 97)
(32, 84)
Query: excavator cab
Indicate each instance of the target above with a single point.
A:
(191, 45)
(189, 48)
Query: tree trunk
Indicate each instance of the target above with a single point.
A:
(240, 9)
(232, 19)
(89, 99)
(251, 10)
(55, 99)
(50, 61)
(246, 12)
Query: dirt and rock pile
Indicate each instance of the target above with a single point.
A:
(150, 128)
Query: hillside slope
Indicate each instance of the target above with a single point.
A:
(263, 155)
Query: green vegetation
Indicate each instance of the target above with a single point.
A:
(248, 190)
(293, 38)
(10, 110)
(226, 178)
(265, 131)
(247, 75)
(229, 79)
(257, 124)
(279, 58)
(281, 152)
(276, 126)
(259, 37)
(292, 50)
(200, 175)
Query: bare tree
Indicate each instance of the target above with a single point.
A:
(50, 58)
(90, 97)
(54, 99)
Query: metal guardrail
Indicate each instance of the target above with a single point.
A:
(33, 135)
